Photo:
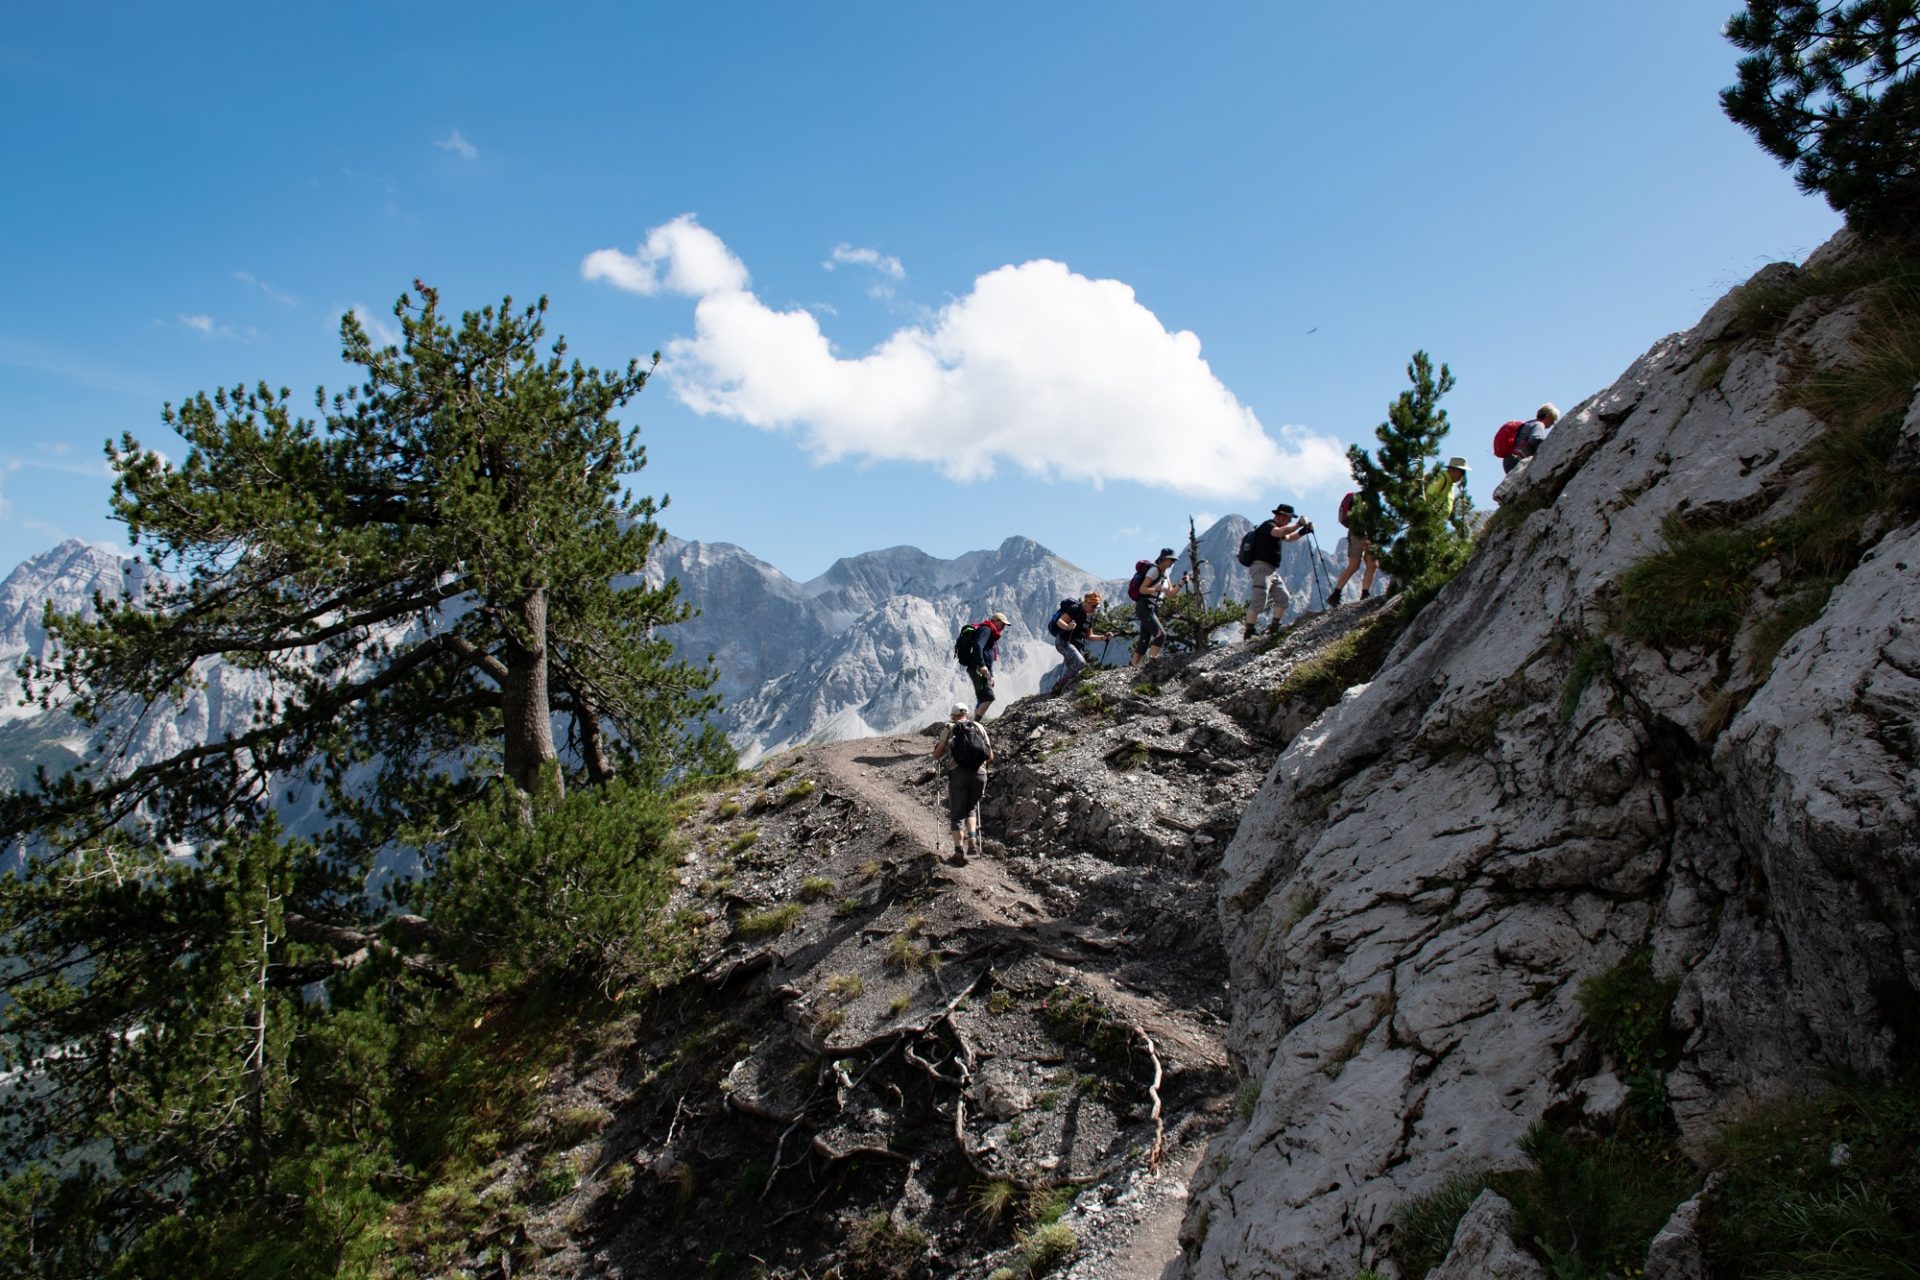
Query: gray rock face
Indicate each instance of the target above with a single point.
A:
(1678, 1252)
(1483, 1247)
(1412, 899)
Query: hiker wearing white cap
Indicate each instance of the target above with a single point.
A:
(1148, 586)
(977, 646)
(964, 750)
(1260, 553)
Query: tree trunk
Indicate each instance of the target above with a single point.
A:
(593, 743)
(528, 720)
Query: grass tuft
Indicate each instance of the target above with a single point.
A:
(770, 922)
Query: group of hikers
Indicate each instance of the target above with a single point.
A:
(964, 749)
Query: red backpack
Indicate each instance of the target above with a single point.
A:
(1346, 508)
(1506, 437)
(1140, 568)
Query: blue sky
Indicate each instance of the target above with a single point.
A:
(927, 275)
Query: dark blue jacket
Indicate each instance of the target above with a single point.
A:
(986, 643)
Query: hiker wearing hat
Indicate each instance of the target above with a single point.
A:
(1528, 437)
(985, 647)
(1148, 587)
(1260, 552)
(1444, 489)
(964, 750)
(1071, 629)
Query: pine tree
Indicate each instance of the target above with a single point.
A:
(1830, 91)
(431, 575)
(1407, 509)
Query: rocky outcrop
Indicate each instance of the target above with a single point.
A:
(1522, 798)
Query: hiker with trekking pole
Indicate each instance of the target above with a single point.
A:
(963, 752)
(1260, 553)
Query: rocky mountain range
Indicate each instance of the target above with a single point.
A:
(864, 648)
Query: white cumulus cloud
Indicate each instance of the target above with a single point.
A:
(695, 261)
(1037, 366)
(457, 143)
(885, 263)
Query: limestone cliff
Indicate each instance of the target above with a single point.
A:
(1526, 794)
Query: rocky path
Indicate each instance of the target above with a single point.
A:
(878, 1066)
(890, 774)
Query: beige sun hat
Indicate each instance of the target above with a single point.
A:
(958, 711)
(1457, 463)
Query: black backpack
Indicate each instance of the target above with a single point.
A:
(969, 746)
(1053, 624)
(966, 647)
(1246, 545)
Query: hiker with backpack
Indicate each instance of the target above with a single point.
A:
(1356, 509)
(1147, 588)
(1260, 553)
(976, 647)
(1517, 441)
(964, 749)
(1071, 629)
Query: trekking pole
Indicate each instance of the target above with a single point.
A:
(1320, 570)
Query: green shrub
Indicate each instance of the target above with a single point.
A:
(1627, 1010)
(578, 894)
(1599, 1201)
(816, 888)
(797, 792)
(1694, 591)
(1826, 1187)
(744, 841)
(1350, 660)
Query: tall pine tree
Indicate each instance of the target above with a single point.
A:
(432, 575)
(1407, 507)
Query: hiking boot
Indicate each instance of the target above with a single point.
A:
(1248, 630)
(959, 858)
(1333, 601)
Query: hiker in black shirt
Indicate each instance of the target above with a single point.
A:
(1071, 629)
(1263, 568)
